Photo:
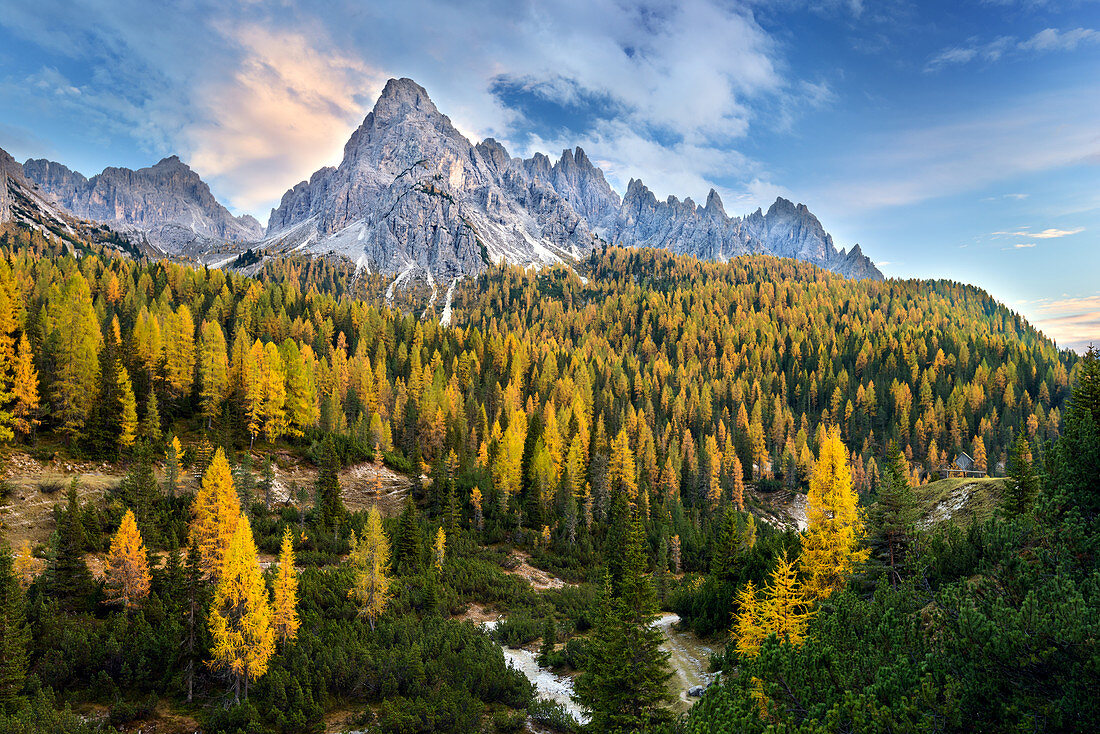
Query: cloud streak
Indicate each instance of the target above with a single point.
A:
(1073, 322)
(1045, 41)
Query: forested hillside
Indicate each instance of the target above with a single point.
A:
(613, 424)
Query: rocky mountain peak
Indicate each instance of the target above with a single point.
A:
(402, 97)
(714, 205)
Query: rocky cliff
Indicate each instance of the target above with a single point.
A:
(167, 203)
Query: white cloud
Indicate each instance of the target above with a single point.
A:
(1024, 245)
(1049, 39)
(1048, 234)
(285, 110)
(989, 51)
(1052, 39)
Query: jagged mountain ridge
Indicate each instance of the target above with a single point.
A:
(412, 194)
(22, 203)
(167, 203)
(414, 197)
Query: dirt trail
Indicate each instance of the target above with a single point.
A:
(520, 562)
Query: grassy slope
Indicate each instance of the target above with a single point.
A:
(959, 499)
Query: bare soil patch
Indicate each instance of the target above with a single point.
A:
(540, 580)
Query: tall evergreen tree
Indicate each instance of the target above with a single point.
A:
(1021, 484)
(624, 687)
(141, 491)
(14, 632)
(893, 517)
(407, 556)
(193, 614)
(1086, 392)
(68, 578)
(330, 505)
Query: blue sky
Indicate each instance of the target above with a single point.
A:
(955, 139)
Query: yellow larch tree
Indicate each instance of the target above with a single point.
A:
(215, 514)
(783, 609)
(439, 549)
(26, 565)
(213, 370)
(759, 450)
(179, 352)
(71, 322)
(274, 389)
(127, 405)
(286, 592)
(713, 468)
(621, 472)
(255, 365)
(830, 547)
(748, 627)
(738, 482)
(475, 500)
(979, 453)
(127, 566)
(370, 559)
(241, 616)
(787, 608)
(25, 389)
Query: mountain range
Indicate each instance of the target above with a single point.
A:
(414, 197)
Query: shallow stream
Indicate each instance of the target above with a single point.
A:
(689, 658)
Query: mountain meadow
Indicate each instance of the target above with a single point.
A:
(299, 502)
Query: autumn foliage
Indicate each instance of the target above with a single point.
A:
(127, 566)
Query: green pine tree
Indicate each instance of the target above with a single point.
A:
(624, 688)
(1021, 484)
(68, 578)
(150, 424)
(195, 612)
(1086, 392)
(329, 504)
(549, 638)
(14, 633)
(141, 491)
(407, 559)
(267, 482)
(893, 517)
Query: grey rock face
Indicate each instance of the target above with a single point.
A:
(412, 195)
(167, 202)
(787, 230)
(20, 202)
(23, 203)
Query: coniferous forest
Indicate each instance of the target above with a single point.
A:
(575, 452)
